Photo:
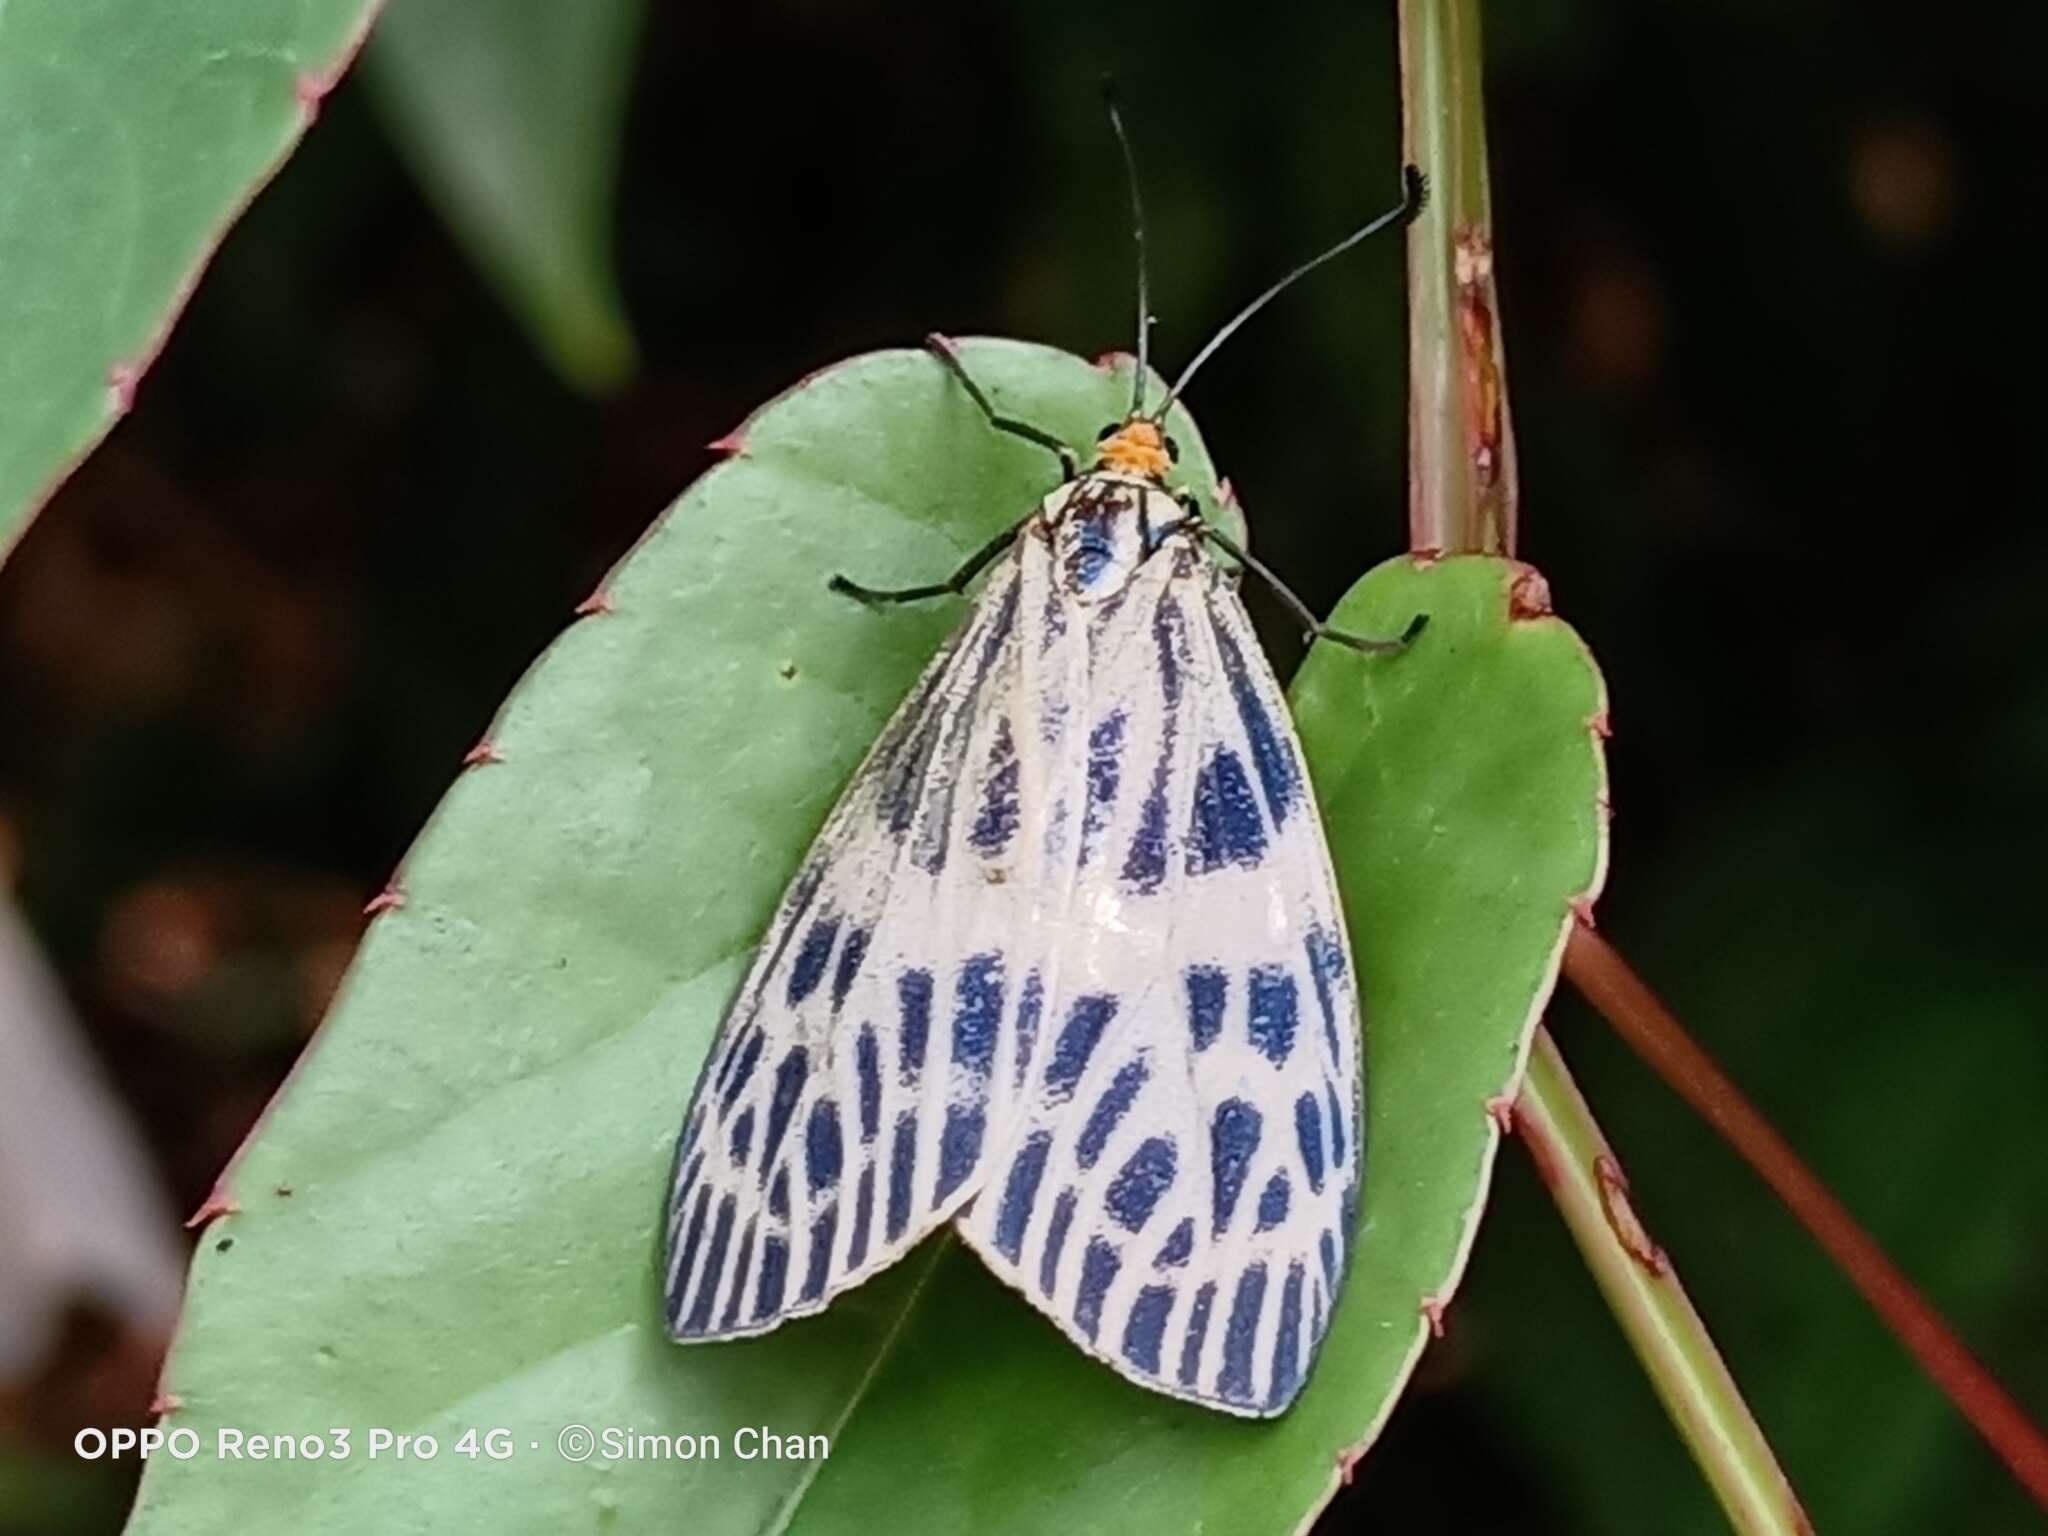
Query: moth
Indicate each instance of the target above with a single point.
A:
(1065, 969)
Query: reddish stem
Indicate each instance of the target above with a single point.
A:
(1654, 1034)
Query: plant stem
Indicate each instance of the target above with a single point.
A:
(1463, 499)
(1461, 449)
(1635, 1276)
(1656, 1035)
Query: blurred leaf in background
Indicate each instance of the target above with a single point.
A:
(131, 135)
(510, 114)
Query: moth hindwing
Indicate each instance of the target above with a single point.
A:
(1066, 968)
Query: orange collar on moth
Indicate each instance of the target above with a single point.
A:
(1135, 448)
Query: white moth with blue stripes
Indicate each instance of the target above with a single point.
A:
(1066, 968)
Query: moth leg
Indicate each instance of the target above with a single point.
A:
(942, 348)
(952, 586)
(1315, 627)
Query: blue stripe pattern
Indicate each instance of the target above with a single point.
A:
(1085, 1023)
(1145, 1177)
(1109, 1110)
(1098, 1269)
(1233, 1139)
(1275, 1012)
(1020, 1194)
(1208, 995)
(1226, 827)
(1240, 1334)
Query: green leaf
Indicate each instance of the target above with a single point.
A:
(476, 1150)
(510, 114)
(135, 131)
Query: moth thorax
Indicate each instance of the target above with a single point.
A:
(1102, 529)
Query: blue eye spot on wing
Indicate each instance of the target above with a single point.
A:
(808, 969)
(1226, 826)
(1233, 1138)
(1275, 1012)
(1109, 1110)
(1136, 1190)
(1308, 1131)
(1085, 1023)
(1197, 1334)
(1273, 1201)
(996, 823)
(1098, 1268)
(1020, 1194)
(1178, 1246)
(1208, 994)
(1287, 1342)
(1240, 1333)
(914, 997)
(1146, 1326)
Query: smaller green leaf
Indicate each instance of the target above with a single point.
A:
(510, 114)
(1463, 787)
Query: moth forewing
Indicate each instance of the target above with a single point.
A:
(1066, 966)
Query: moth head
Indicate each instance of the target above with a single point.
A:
(1136, 446)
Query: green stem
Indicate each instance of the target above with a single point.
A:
(1635, 1275)
(1463, 500)
(1461, 440)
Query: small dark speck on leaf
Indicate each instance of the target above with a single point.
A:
(787, 670)
(224, 1245)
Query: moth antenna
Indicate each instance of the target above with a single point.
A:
(1123, 142)
(1415, 193)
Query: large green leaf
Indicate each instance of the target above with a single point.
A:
(132, 132)
(510, 113)
(475, 1152)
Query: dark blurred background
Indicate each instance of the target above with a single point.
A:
(1774, 359)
